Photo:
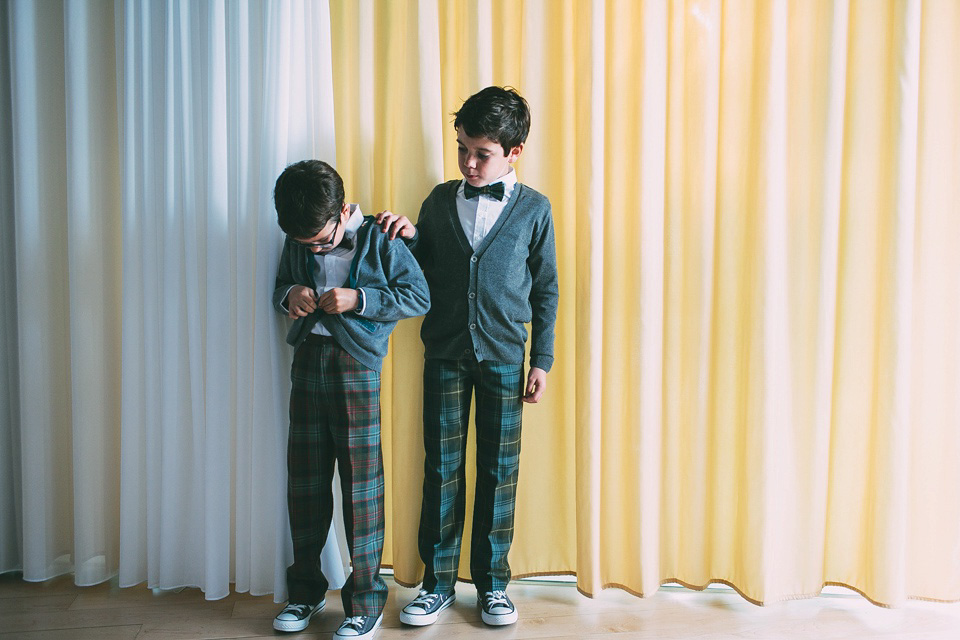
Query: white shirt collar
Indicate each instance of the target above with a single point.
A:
(353, 222)
(509, 179)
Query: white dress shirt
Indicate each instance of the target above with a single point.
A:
(478, 215)
(333, 267)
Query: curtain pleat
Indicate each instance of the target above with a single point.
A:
(42, 284)
(91, 277)
(11, 472)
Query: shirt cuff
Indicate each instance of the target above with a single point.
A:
(363, 303)
(285, 303)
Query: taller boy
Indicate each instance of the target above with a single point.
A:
(486, 246)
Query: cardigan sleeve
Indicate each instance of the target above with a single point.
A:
(284, 280)
(544, 292)
(405, 293)
(419, 244)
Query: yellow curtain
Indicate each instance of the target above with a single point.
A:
(757, 207)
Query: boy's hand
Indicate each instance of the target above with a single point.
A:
(339, 300)
(536, 385)
(301, 301)
(395, 225)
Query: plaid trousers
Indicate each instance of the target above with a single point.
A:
(447, 389)
(335, 417)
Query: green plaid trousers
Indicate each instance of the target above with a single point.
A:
(335, 417)
(447, 389)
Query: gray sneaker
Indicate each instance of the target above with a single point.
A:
(496, 608)
(296, 617)
(425, 608)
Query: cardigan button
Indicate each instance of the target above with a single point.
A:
(473, 258)
(472, 295)
(473, 326)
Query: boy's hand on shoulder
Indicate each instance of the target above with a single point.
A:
(536, 385)
(301, 301)
(339, 300)
(395, 225)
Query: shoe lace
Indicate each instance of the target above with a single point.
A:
(496, 597)
(299, 609)
(355, 622)
(426, 599)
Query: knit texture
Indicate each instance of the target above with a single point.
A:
(481, 300)
(390, 278)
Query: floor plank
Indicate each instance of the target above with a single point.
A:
(27, 604)
(58, 610)
(126, 632)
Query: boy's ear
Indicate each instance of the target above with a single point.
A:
(514, 153)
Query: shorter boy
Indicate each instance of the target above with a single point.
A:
(486, 246)
(346, 288)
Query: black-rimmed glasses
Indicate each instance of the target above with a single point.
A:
(320, 245)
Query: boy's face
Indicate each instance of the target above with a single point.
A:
(483, 160)
(328, 237)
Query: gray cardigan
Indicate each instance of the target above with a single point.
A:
(480, 300)
(392, 284)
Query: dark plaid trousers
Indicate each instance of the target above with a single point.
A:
(335, 417)
(447, 389)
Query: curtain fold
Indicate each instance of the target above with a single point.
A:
(93, 240)
(40, 234)
(756, 203)
(11, 524)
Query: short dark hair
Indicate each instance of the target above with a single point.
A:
(498, 113)
(308, 195)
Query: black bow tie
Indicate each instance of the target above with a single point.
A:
(494, 190)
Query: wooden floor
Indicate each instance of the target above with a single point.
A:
(56, 610)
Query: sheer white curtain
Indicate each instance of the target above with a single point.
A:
(144, 373)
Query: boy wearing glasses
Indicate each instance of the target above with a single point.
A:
(346, 288)
(486, 246)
